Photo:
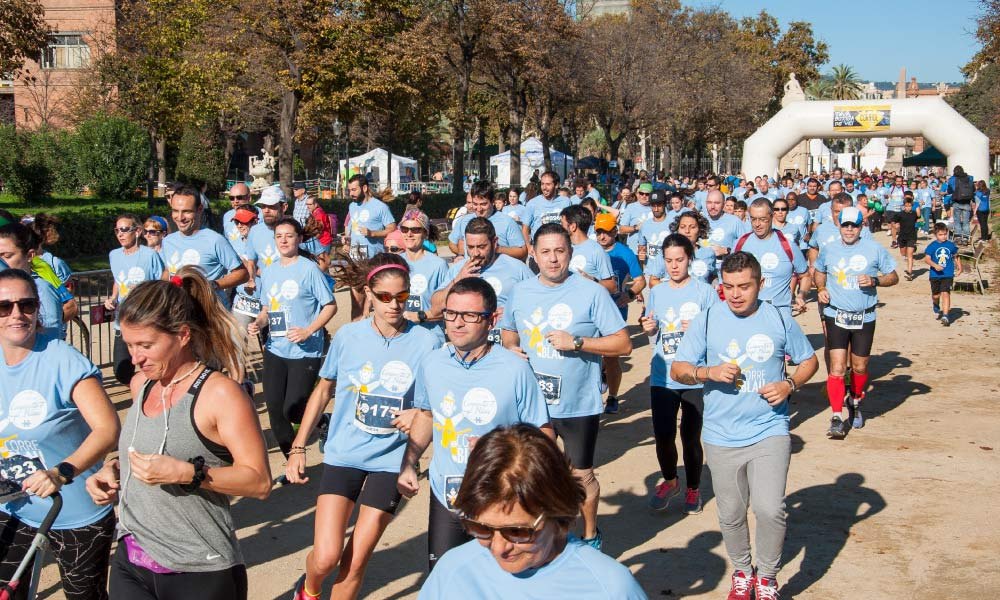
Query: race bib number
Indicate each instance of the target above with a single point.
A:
(652, 251)
(550, 386)
(452, 484)
(375, 413)
(414, 304)
(850, 320)
(551, 218)
(277, 323)
(494, 336)
(358, 253)
(670, 342)
(13, 471)
(245, 305)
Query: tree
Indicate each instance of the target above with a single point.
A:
(819, 89)
(844, 83)
(23, 34)
(112, 153)
(977, 102)
(988, 34)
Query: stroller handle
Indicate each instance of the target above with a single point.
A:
(50, 517)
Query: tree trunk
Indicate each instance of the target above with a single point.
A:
(286, 151)
(229, 146)
(268, 144)
(502, 139)
(484, 164)
(457, 157)
(514, 137)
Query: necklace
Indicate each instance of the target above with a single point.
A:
(386, 338)
(165, 390)
(468, 364)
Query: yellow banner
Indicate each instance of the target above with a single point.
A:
(873, 117)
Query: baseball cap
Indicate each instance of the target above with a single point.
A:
(851, 214)
(271, 196)
(645, 188)
(658, 197)
(395, 238)
(245, 215)
(298, 185)
(605, 221)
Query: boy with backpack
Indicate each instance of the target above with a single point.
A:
(940, 255)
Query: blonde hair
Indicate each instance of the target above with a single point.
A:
(188, 299)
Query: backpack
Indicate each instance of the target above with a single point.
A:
(961, 192)
(784, 246)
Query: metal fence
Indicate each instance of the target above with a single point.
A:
(94, 340)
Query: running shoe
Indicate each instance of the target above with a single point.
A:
(937, 310)
(766, 588)
(741, 587)
(663, 493)
(945, 321)
(692, 501)
(837, 430)
(299, 591)
(595, 542)
(895, 244)
(858, 420)
(611, 407)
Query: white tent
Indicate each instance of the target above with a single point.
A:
(376, 162)
(531, 158)
(820, 156)
(874, 154)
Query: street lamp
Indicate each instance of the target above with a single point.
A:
(337, 130)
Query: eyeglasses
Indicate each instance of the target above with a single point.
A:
(642, 193)
(780, 209)
(467, 316)
(125, 229)
(760, 219)
(393, 250)
(405, 229)
(516, 534)
(27, 306)
(240, 197)
(153, 232)
(850, 224)
(386, 297)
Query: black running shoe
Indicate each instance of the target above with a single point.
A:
(837, 429)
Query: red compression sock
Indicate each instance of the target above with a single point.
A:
(859, 382)
(835, 390)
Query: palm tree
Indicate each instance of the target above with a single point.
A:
(845, 83)
(819, 89)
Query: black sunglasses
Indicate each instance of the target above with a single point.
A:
(27, 306)
(153, 232)
(781, 209)
(393, 249)
(405, 229)
(516, 534)
(125, 229)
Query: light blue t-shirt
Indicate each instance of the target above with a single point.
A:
(129, 270)
(374, 376)
(261, 247)
(204, 248)
(299, 291)
(579, 572)
(737, 415)
(725, 230)
(651, 235)
(41, 421)
(509, 234)
(539, 211)
(59, 266)
(671, 306)
(590, 258)
(501, 275)
(634, 215)
(895, 198)
(51, 307)
(570, 381)
(374, 215)
(776, 268)
(702, 267)
(843, 264)
(427, 275)
(794, 233)
(824, 213)
(829, 232)
(514, 211)
(801, 218)
(469, 402)
(699, 198)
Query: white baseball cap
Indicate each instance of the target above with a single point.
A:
(851, 214)
(271, 196)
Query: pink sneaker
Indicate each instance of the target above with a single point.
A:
(692, 501)
(663, 493)
(741, 587)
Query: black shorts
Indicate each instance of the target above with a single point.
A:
(860, 341)
(579, 436)
(376, 489)
(941, 284)
(907, 242)
(444, 532)
(891, 216)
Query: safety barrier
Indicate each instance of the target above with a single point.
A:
(88, 332)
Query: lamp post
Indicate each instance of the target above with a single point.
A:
(337, 130)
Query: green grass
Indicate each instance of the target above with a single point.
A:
(89, 263)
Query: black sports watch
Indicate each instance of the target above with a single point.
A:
(578, 343)
(421, 316)
(66, 472)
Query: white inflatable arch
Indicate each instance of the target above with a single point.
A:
(932, 118)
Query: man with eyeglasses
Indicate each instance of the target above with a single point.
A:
(853, 268)
(509, 234)
(782, 263)
(463, 391)
(634, 215)
(563, 324)
(239, 195)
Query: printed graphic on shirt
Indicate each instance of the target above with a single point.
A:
(846, 270)
(559, 317)
(127, 281)
(178, 260)
(268, 257)
(447, 421)
(758, 350)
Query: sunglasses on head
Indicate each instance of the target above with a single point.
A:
(153, 232)
(386, 297)
(406, 229)
(516, 534)
(125, 229)
(27, 306)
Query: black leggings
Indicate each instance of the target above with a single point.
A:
(287, 385)
(984, 224)
(121, 364)
(444, 532)
(82, 554)
(129, 582)
(665, 402)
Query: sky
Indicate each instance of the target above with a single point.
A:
(933, 39)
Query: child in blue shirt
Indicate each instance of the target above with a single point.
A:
(941, 256)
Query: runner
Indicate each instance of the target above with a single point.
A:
(795, 233)
(589, 259)
(517, 485)
(724, 229)
(509, 234)
(694, 226)
(130, 265)
(563, 324)
(738, 352)
(428, 272)
(296, 305)
(153, 231)
(626, 267)
(239, 197)
(204, 248)
(17, 249)
(669, 312)
(370, 222)
(189, 443)
(373, 362)
(652, 232)
(894, 206)
(514, 208)
(811, 200)
(784, 268)
(634, 215)
(464, 391)
(56, 415)
(46, 227)
(854, 268)
(941, 256)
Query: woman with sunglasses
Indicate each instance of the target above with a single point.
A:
(794, 232)
(694, 226)
(153, 231)
(130, 265)
(296, 305)
(428, 272)
(518, 500)
(372, 364)
(56, 415)
(17, 249)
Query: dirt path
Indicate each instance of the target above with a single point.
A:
(904, 507)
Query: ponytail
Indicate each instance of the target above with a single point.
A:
(355, 273)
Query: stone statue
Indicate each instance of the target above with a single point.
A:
(793, 91)
(262, 170)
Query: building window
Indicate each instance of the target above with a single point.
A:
(66, 51)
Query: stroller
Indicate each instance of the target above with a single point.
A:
(39, 543)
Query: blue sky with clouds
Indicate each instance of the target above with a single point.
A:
(933, 39)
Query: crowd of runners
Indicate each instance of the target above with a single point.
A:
(500, 361)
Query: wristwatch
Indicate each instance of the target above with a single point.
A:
(631, 294)
(421, 316)
(875, 281)
(577, 343)
(66, 472)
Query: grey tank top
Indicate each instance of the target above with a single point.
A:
(183, 531)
